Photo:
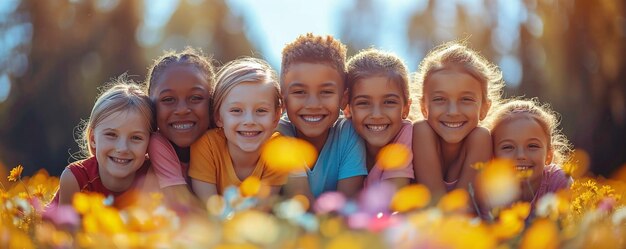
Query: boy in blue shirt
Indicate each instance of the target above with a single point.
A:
(313, 87)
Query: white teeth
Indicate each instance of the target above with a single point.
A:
(249, 133)
(522, 167)
(453, 125)
(182, 126)
(119, 160)
(316, 118)
(377, 127)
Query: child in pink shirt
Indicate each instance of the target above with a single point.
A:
(527, 133)
(378, 90)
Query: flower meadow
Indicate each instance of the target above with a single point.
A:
(590, 214)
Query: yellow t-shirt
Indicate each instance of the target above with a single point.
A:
(210, 162)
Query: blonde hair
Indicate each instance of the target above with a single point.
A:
(189, 57)
(239, 71)
(315, 49)
(122, 94)
(456, 53)
(543, 115)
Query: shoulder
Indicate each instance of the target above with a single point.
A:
(423, 131)
(479, 134)
(211, 137)
(68, 183)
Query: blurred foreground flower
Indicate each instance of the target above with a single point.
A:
(410, 197)
(16, 173)
(393, 156)
(577, 165)
(498, 183)
(288, 154)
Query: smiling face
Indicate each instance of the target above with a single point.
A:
(453, 104)
(313, 94)
(120, 142)
(248, 114)
(378, 109)
(522, 139)
(181, 98)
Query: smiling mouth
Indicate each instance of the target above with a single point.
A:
(312, 118)
(452, 124)
(523, 167)
(183, 126)
(120, 160)
(377, 128)
(249, 133)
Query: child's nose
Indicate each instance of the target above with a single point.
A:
(521, 154)
(313, 101)
(248, 118)
(376, 111)
(182, 108)
(453, 108)
(121, 145)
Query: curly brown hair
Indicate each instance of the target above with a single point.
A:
(315, 49)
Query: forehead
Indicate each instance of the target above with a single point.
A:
(376, 86)
(452, 80)
(130, 119)
(180, 76)
(519, 127)
(251, 92)
(308, 74)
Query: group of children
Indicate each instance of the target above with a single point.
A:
(193, 131)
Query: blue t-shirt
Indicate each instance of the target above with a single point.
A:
(343, 155)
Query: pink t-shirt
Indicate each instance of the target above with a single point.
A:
(404, 137)
(552, 180)
(168, 169)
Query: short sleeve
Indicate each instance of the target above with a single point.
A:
(404, 137)
(203, 165)
(167, 167)
(353, 148)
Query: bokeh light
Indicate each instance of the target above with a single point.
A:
(288, 154)
(393, 156)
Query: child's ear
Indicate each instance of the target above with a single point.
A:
(92, 140)
(279, 112)
(484, 109)
(406, 109)
(549, 156)
(218, 121)
(344, 99)
(346, 112)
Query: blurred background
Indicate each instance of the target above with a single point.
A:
(55, 54)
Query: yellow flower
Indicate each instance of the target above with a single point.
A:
(498, 183)
(15, 173)
(456, 200)
(542, 234)
(577, 165)
(410, 197)
(288, 154)
(393, 156)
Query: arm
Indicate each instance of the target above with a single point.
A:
(167, 167)
(350, 186)
(68, 186)
(426, 161)
(203, 190)
(398, 182)
(479, 149)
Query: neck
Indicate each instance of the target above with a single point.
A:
(115, 184)
(182, 153)
(372, 152)
(243, 159)
(318, 141)
(449, 152)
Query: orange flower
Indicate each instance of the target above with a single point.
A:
(16, 173)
